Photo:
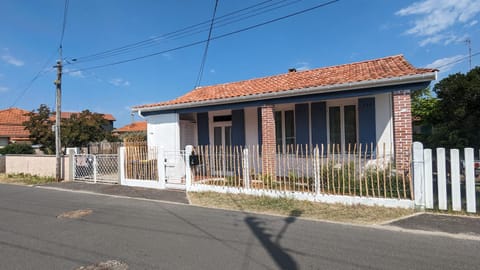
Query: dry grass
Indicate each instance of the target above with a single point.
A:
(358, 214)
(75, 214)
(24, 179)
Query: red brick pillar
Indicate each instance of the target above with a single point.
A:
(268, 140)
(402, 128)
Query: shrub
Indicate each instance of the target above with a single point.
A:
(17, 148)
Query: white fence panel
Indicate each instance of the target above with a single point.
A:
(470, 180)
(441, 179)
(427, 159)
(455, 179)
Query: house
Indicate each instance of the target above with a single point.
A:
(67, 115)
(139, 127)
(12, 129)
(365, 102)
(11, 126)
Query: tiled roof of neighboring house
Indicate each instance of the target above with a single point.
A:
(133, 127)
(371, 70)
(13, 116)
(13, 131)
(67, 115)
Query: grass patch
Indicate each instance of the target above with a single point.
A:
(289, 207)
(25, 179)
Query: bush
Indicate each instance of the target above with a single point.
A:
(17, 148)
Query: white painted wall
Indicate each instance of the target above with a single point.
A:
(251, 126)
(384, 123)
(164, 131)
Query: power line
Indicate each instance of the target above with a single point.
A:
(65, 10)
(40, 73)
(458, 60)
(213, 38)
(204, 58)
(190, 30)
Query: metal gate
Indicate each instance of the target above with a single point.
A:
(96, 168)
(175, 167)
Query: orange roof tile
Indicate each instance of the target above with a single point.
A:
(13, 116)
(133, 127)
(383, 68)
(13, 131)
(67, 115)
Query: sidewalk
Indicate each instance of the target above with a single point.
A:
(176, 196)
(441, 223)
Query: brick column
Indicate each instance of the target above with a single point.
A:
(268, 140)
(402, 128)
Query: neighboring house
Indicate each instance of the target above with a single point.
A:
(139, 127)
(108, 127)
(11, 126)
(359, 103)
(12, 129)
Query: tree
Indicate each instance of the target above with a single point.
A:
(17, 148)
(40, 127)
(76, 131)
(82, 128)
(424, 107)
(456, 118)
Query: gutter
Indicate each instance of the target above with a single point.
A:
(297, 92)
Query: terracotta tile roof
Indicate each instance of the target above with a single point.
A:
(67, 115)
(133, 127)
(13, 131)
(13, 116)
(383, 68)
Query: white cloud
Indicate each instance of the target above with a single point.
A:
(74, 73)
(213, 70)
(434, 17)
(119, 82)
(445, 64)
(8, 58)
(301, 66)
(472, 23)
(3, 89)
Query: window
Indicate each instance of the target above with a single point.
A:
(285, 127)
(342, 122)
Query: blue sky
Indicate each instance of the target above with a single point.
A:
(430, 33)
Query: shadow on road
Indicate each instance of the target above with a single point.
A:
(274, 249)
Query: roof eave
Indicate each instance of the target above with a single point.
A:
(417, 78)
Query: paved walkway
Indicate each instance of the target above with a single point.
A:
(441, 223)
(176, 196)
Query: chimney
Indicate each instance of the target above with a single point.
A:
(292, 70)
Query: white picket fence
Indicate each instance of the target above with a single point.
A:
(453, 173)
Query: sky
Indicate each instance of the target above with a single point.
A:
(429, 33)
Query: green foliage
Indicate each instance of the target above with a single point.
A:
(40, 128)
(17, 148)
(457, 118)
(76, 131)
(454, 113)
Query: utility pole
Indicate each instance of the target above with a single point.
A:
(469, 44)
(58, 111)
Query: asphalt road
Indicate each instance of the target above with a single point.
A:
(153, 235)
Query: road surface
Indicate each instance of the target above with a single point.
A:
(154, 235)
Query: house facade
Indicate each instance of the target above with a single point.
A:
(11, 126)
(364, 103)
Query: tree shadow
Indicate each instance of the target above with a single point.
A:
(274, 249)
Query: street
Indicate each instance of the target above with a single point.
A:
(154, 235)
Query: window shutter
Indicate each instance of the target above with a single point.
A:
(366, 122)
(238, 127)
(202, 128)
(301, 124)
(319, 123)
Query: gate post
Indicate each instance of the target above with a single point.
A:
(316, 169)
(246, 169)
(418, 176)
(188, 169)
(161, 167)
(94, 168)
(121, 165)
